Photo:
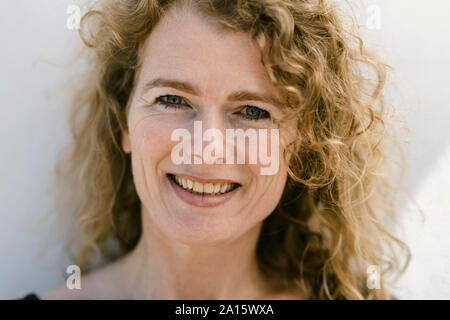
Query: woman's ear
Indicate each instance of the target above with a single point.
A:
(126, 146)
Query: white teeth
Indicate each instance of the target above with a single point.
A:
(223, 188)
(203, 188)
(208, 188)
(198, 187)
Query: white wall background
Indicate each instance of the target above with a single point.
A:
(37, 49)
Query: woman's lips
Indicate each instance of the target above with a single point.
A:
(202, 200)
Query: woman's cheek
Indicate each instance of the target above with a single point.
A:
(152, 139)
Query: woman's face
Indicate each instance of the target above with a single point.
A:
(200, 72)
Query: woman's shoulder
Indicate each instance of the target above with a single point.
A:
(86, 292)
(54, 294)
(61, 293)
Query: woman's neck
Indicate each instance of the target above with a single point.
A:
(162, 268)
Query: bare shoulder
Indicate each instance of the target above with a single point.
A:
(288, 296)
(284, 296)
(61, 293)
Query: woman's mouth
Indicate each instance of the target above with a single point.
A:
(202, 193)
(205, 189)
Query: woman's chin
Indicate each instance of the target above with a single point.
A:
(191, 227)
(201, 236)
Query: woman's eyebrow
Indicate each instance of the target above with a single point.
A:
(241, 95)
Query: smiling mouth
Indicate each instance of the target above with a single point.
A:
(203, 189)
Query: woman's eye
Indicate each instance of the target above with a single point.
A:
(248, 112)
(254, 113)
(171, 101)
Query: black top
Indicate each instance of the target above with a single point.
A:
(30, 296)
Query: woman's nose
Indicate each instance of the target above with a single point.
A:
(213, 118)
(210, 131)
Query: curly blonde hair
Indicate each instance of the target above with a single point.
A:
(332, 220)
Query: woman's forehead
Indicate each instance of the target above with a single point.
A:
(185, 46)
